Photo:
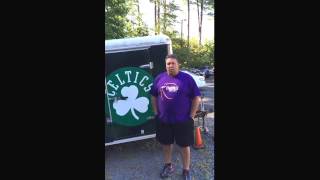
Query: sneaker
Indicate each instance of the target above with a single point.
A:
(167, 171)
(186, 175)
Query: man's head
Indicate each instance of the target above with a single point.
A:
(172, 65)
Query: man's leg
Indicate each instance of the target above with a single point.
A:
(168, 166)
(167, 151)
(185, 152)
(184, 138)
(164, 134)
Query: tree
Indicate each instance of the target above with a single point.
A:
(188, 23)
(156, 16)
(123, 19)
(210, 3)
(164, 15)
(168, 17)
(115, 18)
(142, 29)
(136, 26)
(200, 15)
(205, 5)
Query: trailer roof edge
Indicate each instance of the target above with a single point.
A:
(136, 42)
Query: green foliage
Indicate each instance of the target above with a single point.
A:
(117, 23)
(197, 56)
(135, 26)
(210, 3)
(168, 17)
(115, 18)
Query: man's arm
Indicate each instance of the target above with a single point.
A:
(154, 104)
(194, 107)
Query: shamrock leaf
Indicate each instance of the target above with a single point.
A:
(132, 103)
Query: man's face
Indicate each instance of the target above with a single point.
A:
(172, 66)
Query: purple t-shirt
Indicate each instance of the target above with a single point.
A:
(174, 96)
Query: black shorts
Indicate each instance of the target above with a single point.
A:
(182, 133)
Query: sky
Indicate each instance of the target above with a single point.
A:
(147, 10)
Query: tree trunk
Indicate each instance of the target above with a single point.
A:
(164, 15)
(198, 18)
(200, 27)
(158, 16)
(181, 33)
(155, 17)
(188, 21)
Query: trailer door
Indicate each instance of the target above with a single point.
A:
(128, 80)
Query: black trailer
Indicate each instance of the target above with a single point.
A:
(130, 67)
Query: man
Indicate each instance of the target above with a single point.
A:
(175, 100)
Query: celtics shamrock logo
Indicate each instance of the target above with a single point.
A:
(132, 103)
(127, 96)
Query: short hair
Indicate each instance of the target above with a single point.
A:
(172, 56)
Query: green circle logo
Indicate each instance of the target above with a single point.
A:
(127, 96)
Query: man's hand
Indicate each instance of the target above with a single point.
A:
(154, 105)
(195, 104)
(192, 116)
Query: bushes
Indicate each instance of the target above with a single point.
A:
(196, 56)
